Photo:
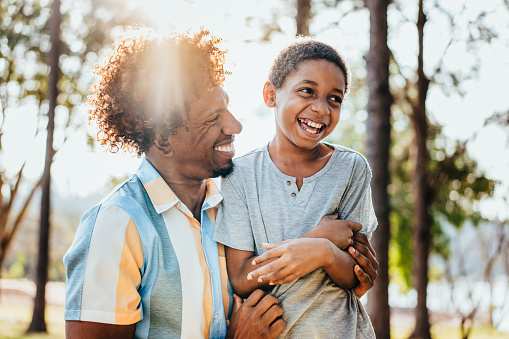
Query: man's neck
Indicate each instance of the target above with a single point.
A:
(191, 192)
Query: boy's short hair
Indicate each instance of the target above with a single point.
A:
(304, 49)
(147, 83)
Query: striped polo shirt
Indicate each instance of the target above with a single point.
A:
(139, 256)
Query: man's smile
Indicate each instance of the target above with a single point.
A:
(226, 148)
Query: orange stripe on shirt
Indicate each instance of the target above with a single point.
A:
(127, 309)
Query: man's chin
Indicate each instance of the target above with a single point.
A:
(223, 172)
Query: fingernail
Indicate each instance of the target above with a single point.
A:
(260, 279)
(353, 249)
(253, 262)
(249, 277)
(271, 283)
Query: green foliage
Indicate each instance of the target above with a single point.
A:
(18, 269)
(456, 185)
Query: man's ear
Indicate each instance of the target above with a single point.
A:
(163, 146)
(269, 94)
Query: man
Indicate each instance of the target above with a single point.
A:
(143, 262)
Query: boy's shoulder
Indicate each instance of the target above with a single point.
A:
(349, 154)
(250, 158)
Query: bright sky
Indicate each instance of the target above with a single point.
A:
(77, 171)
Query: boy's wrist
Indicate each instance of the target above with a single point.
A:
(329, 251)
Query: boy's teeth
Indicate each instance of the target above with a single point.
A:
(226, 148)
(311, 123)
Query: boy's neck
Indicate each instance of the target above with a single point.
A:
(298, 162)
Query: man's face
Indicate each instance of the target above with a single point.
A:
(206, 149)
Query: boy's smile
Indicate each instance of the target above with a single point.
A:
(311, 126)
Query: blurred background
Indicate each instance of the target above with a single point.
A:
(428, 107)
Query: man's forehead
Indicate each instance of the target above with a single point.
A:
(210, 102)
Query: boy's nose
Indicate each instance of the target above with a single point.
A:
(320, 106)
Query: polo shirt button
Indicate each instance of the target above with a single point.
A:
(215, 316)
(293, 195)
(288, 183)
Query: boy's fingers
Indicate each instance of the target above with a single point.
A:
(270, 254)
(278, 277)
(264, 270)
(274, 244)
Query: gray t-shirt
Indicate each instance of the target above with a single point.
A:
(263, 205)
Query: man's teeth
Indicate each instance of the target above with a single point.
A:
(226, 148)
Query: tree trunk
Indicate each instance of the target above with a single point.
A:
(38, 323)
(303, 16)
(422, 218)
(378, 144)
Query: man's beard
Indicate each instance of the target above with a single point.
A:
(223, 172)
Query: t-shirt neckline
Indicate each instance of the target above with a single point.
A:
(307, 179)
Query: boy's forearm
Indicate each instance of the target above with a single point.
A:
(238, 278)
(340, 268)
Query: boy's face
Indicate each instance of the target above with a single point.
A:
(206, 149)
(308, 105)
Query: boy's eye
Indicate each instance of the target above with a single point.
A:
(337, 99)
(307, 90)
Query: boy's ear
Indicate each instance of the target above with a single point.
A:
(163, 146)
(269, 95)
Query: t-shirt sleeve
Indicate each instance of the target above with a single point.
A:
(233, 225)
(356, 204)
(103, 268)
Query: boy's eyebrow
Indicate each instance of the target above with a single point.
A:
(311, 82)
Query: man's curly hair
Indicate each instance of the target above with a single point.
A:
(147, 84)
(301, 50)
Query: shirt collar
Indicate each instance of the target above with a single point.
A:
(162, 196)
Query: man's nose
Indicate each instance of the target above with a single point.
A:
(232, 125)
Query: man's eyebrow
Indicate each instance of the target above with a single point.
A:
(311, 82)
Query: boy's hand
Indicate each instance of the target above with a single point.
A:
(367, 265)
(339, 232)
(256, 317)
(293, 259)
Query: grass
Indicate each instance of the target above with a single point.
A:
(439, 331)
(15, 319)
